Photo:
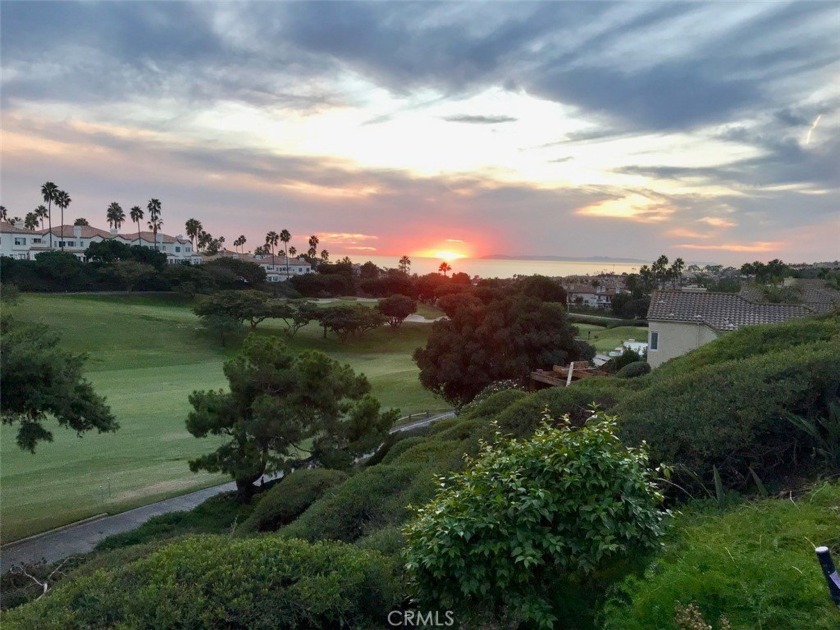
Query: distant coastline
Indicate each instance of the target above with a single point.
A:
(594, 259)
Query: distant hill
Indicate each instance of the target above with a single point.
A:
(568, 258)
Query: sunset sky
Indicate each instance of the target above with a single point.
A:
(702, 130)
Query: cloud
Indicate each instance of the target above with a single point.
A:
(334, 237)
(756, 247)
(479, 120)
(633, 207)
(718, 222)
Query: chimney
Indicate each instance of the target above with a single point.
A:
(113, 231)
(77, 231)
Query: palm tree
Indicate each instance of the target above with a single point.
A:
(444, 267)
(62, 200)
(405, 264)
(292, 251)
(155, 222)
(48, 192)
(325, 255)
(242, 241)
(193, 228)
(285, 236)
(4, 214)
(313, 246)
(136, 215)
(41, 213)
(31, 221)
(271, 239)
(115, 215)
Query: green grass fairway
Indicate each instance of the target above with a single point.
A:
(146, 354)
(607, 339)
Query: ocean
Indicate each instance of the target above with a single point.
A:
(506, 268)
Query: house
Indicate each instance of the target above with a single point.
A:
(22, 244)
(680, 321)
(277, 268)
(587, 295)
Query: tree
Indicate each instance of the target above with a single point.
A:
(325, 255)
(542, 288)
(271, 239)
(405, 264)
(368, 271)
(193, 228)
(296, 315)
(313, 247)
(155, 222)
(676, 271)
(240, 242)
(275, 404)
(49, 191)
(81, 221)
(350, 320)
(505, 339)
(39, 380)
(529, 517)
(292, 251)
(131, 272)
(41, 212)
(243, 306)
(285, 237)
(136, 215)
(62, 200)
(444, 267)
(30, 222)
(115, 215)
(204, 240)
(396, 308)
(4, 214)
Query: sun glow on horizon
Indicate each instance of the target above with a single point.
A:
(447, 255)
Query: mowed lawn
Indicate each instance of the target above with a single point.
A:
(146, 355)
(605, 340)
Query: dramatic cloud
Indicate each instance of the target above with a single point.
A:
(597, 128)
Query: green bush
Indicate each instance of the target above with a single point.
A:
(490, 406)
(213, 582)
(396, 437)
(388, 540)
(734, 415)
(632, 370)
(289, 498)
(400, 447)
(218, 514)
(528, 515)
(367, 501)
(754, 566)
(443, 454)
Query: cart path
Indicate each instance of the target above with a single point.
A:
(82, 537)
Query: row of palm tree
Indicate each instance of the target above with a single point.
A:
(115, 216)
(52, 194)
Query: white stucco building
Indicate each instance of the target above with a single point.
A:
(276, 269)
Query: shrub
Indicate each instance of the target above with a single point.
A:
(388, 541)
(400, 447)
(634, 369)
(215, 582)
(290, 498)
(371, 499)
(753, 565)
(527, 515)
(734, 415)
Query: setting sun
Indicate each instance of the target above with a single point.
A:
(448, 255)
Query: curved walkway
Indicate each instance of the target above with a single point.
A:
(82, 537)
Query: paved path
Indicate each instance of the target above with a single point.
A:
(83, 537)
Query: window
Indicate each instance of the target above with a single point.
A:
(71, 243)
(177, 249)
(36, 241)
(20, 241)
(653, 344)
(187, 249)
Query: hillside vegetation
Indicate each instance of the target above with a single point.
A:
(731, 555)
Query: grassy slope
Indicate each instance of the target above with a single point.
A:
(146, 355)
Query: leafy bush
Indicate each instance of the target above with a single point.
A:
(215, 582)
(216, 515)
(289, 498)
(388, 540)
(492, 388)
(754, 565)
(529, 514)
(734, 415)
(634, 369)
(371, 499)
(400, 447)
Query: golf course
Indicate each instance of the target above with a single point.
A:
(146, 354)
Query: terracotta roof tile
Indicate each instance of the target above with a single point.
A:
(722, 311)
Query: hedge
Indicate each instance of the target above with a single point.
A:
(214, 582)
(290, 498)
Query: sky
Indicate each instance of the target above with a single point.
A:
(707, 130)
